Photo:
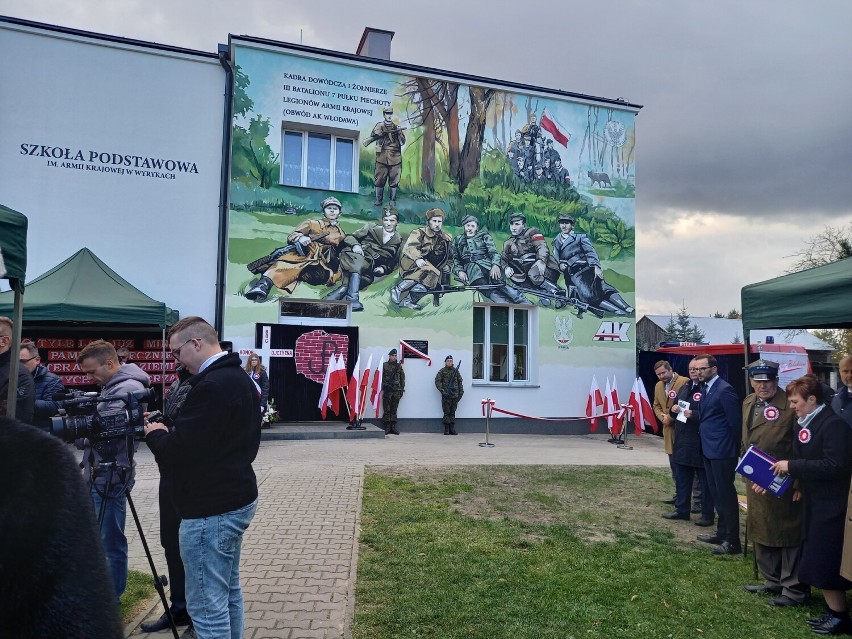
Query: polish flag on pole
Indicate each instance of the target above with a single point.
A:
(362, 391)
(376, 391)
(616, 422)
(647, 409)
(594, 401)
(607, 398)
(324, 402)
(336, 383)
(643, 413)
(555, 128)
(353, 395)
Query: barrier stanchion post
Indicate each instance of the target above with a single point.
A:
(623, 443)
(488, 405)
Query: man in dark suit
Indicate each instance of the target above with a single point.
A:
(720, 425)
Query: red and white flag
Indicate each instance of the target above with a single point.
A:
(616, 422)
(647, 409)
(593, 402)
(362, 390)
(376, 391)
(643, 413)
(607, 401)
(329, 396)
(555, 128)
(353, 394)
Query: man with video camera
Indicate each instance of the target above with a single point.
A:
(100, 362)
(209, 451)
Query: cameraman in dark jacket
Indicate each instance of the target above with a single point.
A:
(47, 385)
(210, 449)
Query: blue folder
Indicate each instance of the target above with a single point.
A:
(755, 465)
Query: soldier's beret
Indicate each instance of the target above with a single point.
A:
(469, 218)
(514, 217)
(387, 110)
(566, 218)
(549, 142)
(434, 213)
(448, 358)
(392, 351)
(331, 200)
(763, 370)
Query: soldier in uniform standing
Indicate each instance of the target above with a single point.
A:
(311, 256)
(527, 260)
(775, 524)
(476, 262)
(579, 262)
(393, 388)
(449, 382)
(426, 258)
(367, 254)
(559, 173)
(389, 138)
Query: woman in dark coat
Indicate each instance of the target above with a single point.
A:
(821, 465)
(257, 371)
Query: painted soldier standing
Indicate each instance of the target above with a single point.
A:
(393, 388)
(367, 254)
(527, 260)
(426, 258)
(311, 255)
(579, 262)
(389, 138)
(449, 382)
(476, 262)
(559, 173)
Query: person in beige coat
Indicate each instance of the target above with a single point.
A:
(774, 524)
(665, 396)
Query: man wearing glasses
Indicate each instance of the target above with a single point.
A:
(47, 385)
(208, 452)
(26, 387)
(99, 361)
(720, 426)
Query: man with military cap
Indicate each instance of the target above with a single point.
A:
(425, 260)
(311, 255)
(393, 388)
(449, 382)
(389, 138)
(774, 523)
(476, 262)
(579, 263)
(527, 261)
(367, 254)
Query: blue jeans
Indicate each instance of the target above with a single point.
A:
(112, 530)
(210, 549)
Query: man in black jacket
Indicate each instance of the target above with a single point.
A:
(210, 450)
(25, 393)
(47, 385)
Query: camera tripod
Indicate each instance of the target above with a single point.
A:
(108, 467)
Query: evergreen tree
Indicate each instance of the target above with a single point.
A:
(682, 329)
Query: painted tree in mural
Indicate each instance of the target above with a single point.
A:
(435, 109)
(608, 146)
(471, 153)
(252, 157)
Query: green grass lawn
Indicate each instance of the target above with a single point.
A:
(138, 594)
(540, 552)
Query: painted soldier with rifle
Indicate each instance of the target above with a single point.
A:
(389, 138)
(393, 388)
(528, 265)
(425, 262)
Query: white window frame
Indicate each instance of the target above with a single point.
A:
(532, 347)
(336, 134)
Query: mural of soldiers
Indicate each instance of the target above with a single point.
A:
(367, 254)
(559, 172)
(522, 169)
(476, 262)
(449, 382)
(536, 137)
(538, 174)
(426, 258)
(389, 138)
(393, 388)
(310, 255)
(550, 153)
(579, 263)
(527, 260)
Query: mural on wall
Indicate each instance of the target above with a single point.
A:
(415, 197)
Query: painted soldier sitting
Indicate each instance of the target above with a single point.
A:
(426, 258)
(527, 261)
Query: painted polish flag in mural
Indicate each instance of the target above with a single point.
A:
(555, 128)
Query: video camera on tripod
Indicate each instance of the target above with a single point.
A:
(83, 420)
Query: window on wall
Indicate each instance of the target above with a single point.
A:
(501, 344)
(319, 159)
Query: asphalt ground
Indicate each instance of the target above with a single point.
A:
(300, 554)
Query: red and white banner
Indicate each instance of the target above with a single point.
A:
(593, 403)
(555, 128)
(405, 347)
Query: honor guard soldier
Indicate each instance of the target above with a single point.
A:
(449, 382)
(393, 388)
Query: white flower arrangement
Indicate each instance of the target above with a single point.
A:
(271, 414)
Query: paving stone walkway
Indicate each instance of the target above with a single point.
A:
(300, 554)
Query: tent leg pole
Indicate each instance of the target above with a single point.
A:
(15, 350)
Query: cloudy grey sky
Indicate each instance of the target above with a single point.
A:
(744, 145)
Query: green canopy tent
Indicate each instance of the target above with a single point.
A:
(819, 297)
(13, 267)
(84, 291)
